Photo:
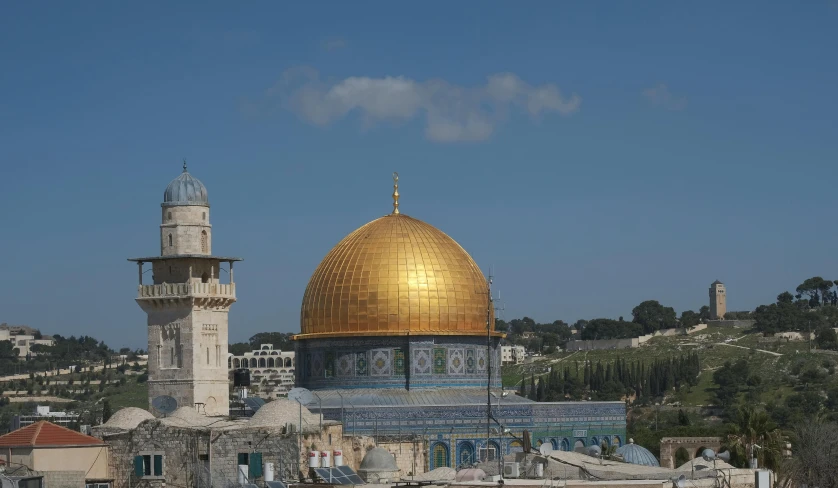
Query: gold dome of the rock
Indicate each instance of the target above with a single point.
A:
(395, 276)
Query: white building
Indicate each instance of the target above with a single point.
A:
(64, 419)
(23, 340)
(512, 354)
(271, 370)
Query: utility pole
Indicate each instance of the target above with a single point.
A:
(489, 365)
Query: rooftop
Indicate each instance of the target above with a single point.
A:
(47, 434)
(184, 256)
(379, 397)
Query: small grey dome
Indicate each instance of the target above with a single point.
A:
(378, 459)
(185, 190)
(634, 454)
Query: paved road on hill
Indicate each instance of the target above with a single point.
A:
(743, 347)
(25, 376)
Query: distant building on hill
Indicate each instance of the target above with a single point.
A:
(512, 354)
(718, 301)
(64, 419)
(23, 338)
(271, 369)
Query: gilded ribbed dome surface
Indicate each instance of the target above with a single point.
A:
(395, 276)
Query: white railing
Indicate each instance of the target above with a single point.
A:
(187, 289)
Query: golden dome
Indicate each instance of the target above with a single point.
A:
(395, 276)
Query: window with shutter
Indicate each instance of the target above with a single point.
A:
(158, 465)
(139, 466)
(254, 468)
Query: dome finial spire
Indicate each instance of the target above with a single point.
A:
(395, 193)
(184, 165)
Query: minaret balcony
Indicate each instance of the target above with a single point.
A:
(187, 290)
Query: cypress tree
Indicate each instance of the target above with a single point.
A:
(532, 388)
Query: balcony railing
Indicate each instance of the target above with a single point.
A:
(187, 289)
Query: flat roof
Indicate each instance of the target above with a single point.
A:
(184, 256)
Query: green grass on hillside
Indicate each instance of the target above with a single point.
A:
(715, 346)
(133, 394)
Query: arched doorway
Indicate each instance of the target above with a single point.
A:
(699, 451)
(555, 444)
(681, 456)
(565, 444)
(617, 441)
(466, 457)
(252, 362)
(579, 445)
(494, 451)
(439, 456)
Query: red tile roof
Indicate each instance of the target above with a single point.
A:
(47, 434)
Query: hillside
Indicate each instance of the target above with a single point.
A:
(773, 363)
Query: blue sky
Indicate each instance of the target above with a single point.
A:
(596, 155)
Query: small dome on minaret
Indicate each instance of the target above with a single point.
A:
(185, 190)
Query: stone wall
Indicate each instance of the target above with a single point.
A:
(186, 224)
(603, 344)
(63, 479)
(740, 324)
(606, 344)
(693, 445)
(192, 455)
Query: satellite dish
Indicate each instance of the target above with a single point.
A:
(724, 456)
(545, 449)
(300, 395)
(164, 404)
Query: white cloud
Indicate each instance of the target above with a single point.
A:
(451, 113)
(662, 97)
(333, 44)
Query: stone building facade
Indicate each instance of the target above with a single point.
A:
(272, 370)
(187, 304)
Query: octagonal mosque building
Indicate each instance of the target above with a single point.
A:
(397, 341)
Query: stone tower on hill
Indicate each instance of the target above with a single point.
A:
(718, 301)
(187, 304)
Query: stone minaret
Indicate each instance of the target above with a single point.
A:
(718, 301)
(187, 304)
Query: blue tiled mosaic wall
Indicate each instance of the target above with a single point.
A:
(462, 429)
(396, 362)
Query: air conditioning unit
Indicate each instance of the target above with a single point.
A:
(511, 470)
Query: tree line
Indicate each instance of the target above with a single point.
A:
(613, 380)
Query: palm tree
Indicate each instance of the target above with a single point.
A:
(755, 435)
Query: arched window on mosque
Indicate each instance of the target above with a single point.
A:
(204, 244)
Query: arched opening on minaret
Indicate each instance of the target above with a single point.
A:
(170, 240)
(205, 277)
(204, 242)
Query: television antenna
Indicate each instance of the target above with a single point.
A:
(164, 404)
(545, 449)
